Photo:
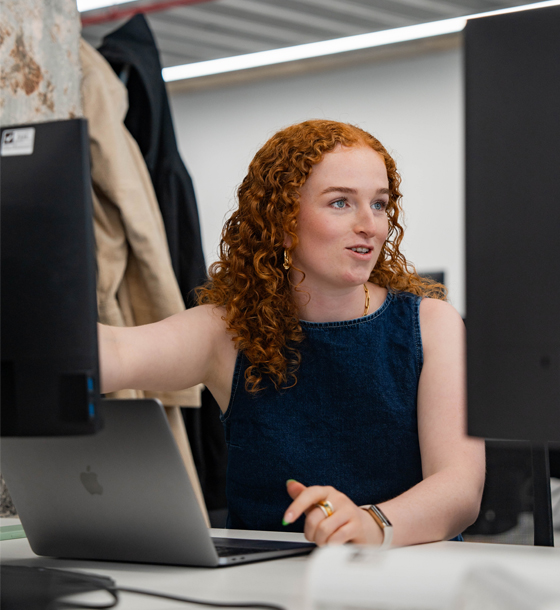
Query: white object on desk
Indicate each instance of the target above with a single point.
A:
(424, 577)
(492, 588)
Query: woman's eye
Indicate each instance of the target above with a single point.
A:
(379, 206)
(339, 204)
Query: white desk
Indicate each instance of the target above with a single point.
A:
(278, 581)
(281, 581)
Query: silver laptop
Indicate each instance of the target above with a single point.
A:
(122, 494)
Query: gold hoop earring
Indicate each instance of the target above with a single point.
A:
(287, 261)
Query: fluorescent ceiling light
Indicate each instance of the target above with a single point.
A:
(91, 5)
(330, 47)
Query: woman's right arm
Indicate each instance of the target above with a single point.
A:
(181, 351)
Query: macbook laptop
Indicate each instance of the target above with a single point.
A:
(122, 494)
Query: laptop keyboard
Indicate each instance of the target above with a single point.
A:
(229, 551)
(227, 547)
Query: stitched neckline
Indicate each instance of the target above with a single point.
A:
(354, 321)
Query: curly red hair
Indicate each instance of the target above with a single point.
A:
(248, 279)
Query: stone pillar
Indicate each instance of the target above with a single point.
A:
(40, 77)
(40, 72)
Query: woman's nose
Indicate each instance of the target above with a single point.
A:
(367, 222)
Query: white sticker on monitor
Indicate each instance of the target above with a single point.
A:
(17, 142)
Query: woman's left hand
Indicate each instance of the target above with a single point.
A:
(348, 522)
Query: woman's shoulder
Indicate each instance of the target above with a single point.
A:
(430, 307)
(212, 318)
(437, 310)
(440, 323)
(222, 347)
(201, 324)
(215, 314)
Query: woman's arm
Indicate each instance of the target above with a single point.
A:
(447, 500)
(181, 351)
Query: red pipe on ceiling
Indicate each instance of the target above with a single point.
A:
(114, 13)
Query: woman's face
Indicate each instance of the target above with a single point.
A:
(342, 222)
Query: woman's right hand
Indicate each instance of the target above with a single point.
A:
(347, 523)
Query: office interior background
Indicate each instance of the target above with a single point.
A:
(408, 94)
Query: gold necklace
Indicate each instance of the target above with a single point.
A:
(366, 308)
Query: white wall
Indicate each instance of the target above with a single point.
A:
(413, 105)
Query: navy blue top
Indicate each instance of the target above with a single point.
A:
(350, 421)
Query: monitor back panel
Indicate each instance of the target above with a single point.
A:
(49, 307)
(513, 225)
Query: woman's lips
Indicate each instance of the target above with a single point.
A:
(362, 252)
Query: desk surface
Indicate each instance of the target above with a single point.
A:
(280, 581)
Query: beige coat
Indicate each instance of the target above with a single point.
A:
(135, 280)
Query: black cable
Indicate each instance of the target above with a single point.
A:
(198, 601)
(24, 586)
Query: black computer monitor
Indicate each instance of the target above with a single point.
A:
(50, 379)
(513, 225)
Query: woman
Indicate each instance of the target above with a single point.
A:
(339, 384)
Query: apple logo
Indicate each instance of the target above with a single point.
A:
(90, 482)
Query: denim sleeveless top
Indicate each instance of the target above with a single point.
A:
(350, 421)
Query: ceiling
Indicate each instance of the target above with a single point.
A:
(190, 31)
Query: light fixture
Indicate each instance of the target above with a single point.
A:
(317, 49)
(330, 47)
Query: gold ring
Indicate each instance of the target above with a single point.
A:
(326, 507)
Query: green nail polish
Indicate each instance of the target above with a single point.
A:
(284, 522)
(291, 481)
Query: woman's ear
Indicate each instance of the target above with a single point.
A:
(287, 240)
